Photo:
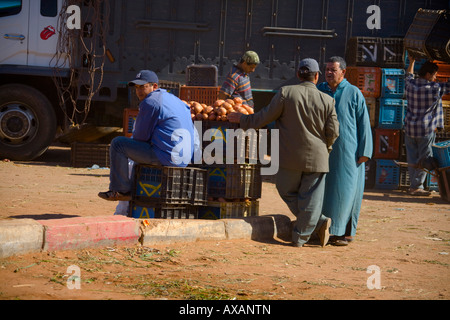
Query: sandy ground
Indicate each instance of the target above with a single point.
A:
(401, 250)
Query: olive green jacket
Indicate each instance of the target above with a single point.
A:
(307, 123)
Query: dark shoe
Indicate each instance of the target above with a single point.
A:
(115, 196)
(349, 238)
(296, 245)
(339, 241)
(324, 233)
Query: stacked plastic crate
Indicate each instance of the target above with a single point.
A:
(233, 188)
(389, 142)
(167, 192)
(377, 69)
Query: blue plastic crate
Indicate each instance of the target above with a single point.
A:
(392, 113)
(392, 83)
(387, 175)
(170, 185)
(432, 182)
(441, 151)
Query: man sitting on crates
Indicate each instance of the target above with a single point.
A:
(163, 135)
(423, 117)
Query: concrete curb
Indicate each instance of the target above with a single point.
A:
(79, 233)
(26, 236)
(20, 237)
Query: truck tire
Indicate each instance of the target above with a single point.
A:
(27, 122)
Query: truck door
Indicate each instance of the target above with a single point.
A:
(42, 34)
(14, 22)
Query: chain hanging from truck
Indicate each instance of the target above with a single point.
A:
(82, 52)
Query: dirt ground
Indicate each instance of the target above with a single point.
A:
(401, 250)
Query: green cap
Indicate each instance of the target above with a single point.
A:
(251, 57)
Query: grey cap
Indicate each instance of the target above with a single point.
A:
(308, 65)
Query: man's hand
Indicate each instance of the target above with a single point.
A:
(412, 60)
(362, 160)
(234, 117)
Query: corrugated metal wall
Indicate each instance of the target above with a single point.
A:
(168, 35)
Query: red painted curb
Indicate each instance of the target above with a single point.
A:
(83, 232)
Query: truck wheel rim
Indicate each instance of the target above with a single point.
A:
(18, 124)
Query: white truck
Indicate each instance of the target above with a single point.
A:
(28, 118)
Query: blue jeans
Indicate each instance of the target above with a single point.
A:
(122, 149)
(303, 193)
(416, 149)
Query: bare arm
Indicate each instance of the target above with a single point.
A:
(412, 60)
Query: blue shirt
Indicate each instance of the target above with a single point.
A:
(424, 113)
(165, 122)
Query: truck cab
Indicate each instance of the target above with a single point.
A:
(28, 99)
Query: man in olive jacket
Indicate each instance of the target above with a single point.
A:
(308, 126)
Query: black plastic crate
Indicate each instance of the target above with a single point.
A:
(375, 52)
(420, 30)
(363, 51)
(234, 181)
(202, 75)
(404, 181)
(170, 86)
(84, 155)
(170, 185)
(438, 41)
(442, 136)
(145, 210)
(391, 54)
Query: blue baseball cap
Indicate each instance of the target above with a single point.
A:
(308, 65)
(143, 77)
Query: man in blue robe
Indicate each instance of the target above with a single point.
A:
(345, 182)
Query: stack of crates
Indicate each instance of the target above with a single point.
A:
(167, 192)
(377, 69)
(389, 142)
(233, 189)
